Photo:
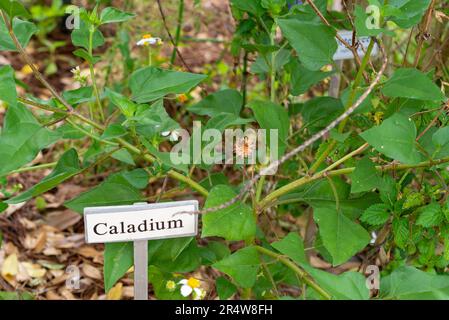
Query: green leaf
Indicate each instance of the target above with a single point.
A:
(365, 177)
(395, 138)
(113, 131)
(272, 116)
(124, 156)
(233, 223)
(292, 246)
(412, 83)
(261, 66)
(126, 106)
(251, 6)
(14, 8)
(224, 120)
(313, 41)
(159, 279)
(151, 83)
(346, 286)
(22, 139)
(214, 252)
(80, 37)
(409, 283)
(242, 266)
(80, 95)
(8, 91)
(3, 206)
(376, 215)
(361, 23)
(118, 258)
(138, 178)
(113, 15)
(321, 194)
(225, 288)
(225, 101)
(152, 120)
(342, 237)
(303, 79)
(23, 30)
(67, 167)
(83, 54)
(430, 215)
(174, 255)
(401, 232)
(407, 13)
(413, 199)
(319, 112)
(15, 296)
(116, 190)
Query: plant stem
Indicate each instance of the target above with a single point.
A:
(93, 78)
(273, 66)
(32, 168)
(178, 32)
(351, 99)
(303, 275)
(172, 173)
(28, 61)
(269, 199)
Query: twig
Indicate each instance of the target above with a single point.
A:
(423, 33)
(172, 40)
(29, 61)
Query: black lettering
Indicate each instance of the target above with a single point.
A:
(143, 226)
(131, 228)
(113, 230)
(162, 225)
(96, 231)
(175, 224)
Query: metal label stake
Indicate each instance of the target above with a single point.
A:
(139, 223)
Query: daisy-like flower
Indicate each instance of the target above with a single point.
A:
(170, 285)
(247, 146)
(191, 286)
(174, 135)
(148, 40)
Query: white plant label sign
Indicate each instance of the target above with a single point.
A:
(344, 53)
(141, 222)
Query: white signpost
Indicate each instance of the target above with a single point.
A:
(344, 53)
(139, 223)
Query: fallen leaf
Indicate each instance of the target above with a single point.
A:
(34, 270)
(51, 295)
(91, 272)
(116, 292)
(10, 267)
(62, 220)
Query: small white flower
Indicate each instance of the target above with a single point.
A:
(76, 70)
(174, 135)
(149, 40)
(373, 237)
(190, 286)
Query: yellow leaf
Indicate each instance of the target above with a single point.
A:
(116, 292)
(10, 267)
(34, 270)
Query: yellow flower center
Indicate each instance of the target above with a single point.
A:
(146, 36)
(193, 283)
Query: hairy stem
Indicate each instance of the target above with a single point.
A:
(269, 199)
(303, 275)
